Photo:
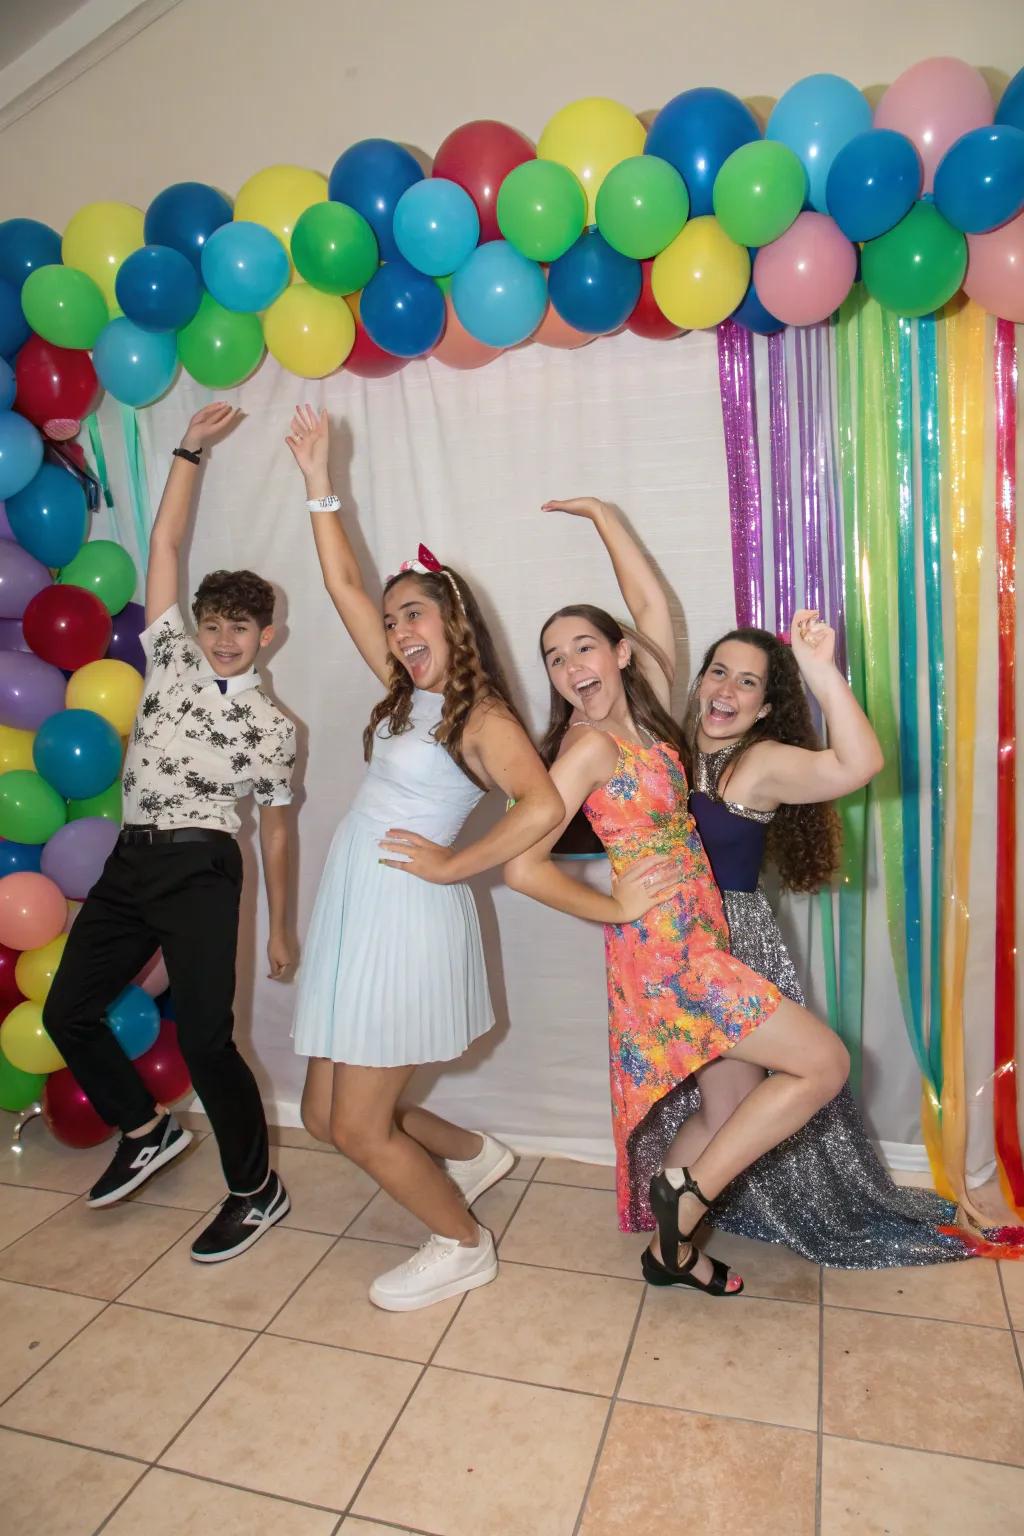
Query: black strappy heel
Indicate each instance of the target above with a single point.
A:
(665, 1205)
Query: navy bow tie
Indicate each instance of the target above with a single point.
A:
(222, 684)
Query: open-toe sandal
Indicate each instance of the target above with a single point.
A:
(665, 1205)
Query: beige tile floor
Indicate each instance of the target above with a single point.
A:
(142, 1393)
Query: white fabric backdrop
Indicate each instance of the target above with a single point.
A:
(463, 462)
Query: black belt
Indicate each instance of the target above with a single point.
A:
(139, 834)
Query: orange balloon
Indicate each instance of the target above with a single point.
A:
(33, 910)
(553, 331)
(457, 348)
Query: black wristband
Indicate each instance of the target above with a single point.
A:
(187, 453)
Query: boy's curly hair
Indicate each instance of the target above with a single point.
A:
(474, 672)
(803, 840)
(235, 595)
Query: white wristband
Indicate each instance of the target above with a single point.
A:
(324, 504)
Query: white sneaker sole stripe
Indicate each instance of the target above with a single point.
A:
(172, 1149)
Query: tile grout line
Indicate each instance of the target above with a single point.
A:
(1009, 1319)
(603, 1437)
(820, 1446)
(425, 1366)
(71, 1200)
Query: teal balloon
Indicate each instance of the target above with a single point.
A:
(49, 517)
(134, 365)
(134, 1020)
(245, 267)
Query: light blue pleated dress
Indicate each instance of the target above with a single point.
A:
(393, 969)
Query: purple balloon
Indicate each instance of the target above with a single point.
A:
(76, 853)
(125, 644)
(6, 531)
(30, 690)
(12, 636)
(21, 577)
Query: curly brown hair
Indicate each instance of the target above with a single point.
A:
(803, 840)
(235, 595)
(475, 674)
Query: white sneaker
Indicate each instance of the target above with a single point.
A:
(443, 1267)
(476, 1174)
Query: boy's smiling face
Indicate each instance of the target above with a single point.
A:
(231, 645)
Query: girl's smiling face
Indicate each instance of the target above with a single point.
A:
(583, 666)
(415, 632)
(731, 693)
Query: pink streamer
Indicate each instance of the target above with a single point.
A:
(739, 421)
(782, 482)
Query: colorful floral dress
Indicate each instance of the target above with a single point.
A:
(677, 998)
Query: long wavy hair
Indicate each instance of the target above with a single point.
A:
(475, 675)
(803, 840)
(643, 703)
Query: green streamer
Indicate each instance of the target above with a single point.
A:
(136, 481)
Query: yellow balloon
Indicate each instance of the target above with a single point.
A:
(25, 1042)
(36, 968)
(99, 238)
(277, 197)
(16, 749)
(309, 332)
(699, 279)
(110, 688)
(590, 137)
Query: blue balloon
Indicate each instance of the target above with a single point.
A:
(184, 216)
(158, 289)
(752, 314)
(1010, 111)
(371, 177)
(696, 132)
(8, 385)
(594, 287)
(402, 310)
(815, 118)
(874, 181)
(436, 226)
(136, 366)
(245, 266)
(15, 857)
(25, 244)
(979, 183)
(78, 752)
(134, 1019)
(499, 295)
(14, 328)
(49, 516)
(21, 453)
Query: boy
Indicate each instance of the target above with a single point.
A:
(205, 735)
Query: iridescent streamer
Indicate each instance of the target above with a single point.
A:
(739, 420)
(830, 490)
(1007, 1128)
(136, 480)
(782, 482)
(808, 477)
(964, 335)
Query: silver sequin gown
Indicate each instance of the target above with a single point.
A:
(823, 1192)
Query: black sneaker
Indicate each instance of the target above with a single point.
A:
(241, 1221)
(137, 1158)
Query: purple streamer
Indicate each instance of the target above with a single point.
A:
(808, 479)
(782, 482)
(739, 421)
(836, 568)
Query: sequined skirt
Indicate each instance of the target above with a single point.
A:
(823, 1191)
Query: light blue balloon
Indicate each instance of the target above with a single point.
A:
(8, 385)
(21, 453)
(245, 266)
(136, 366)
(134, 1019)
(436, 226)
(499, 295)
(815, 118)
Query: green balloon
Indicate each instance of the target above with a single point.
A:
(642, 205)
(104, 569)
(30, 809)
(219, 347)
(759, 191)
(107, 804)
(65, 306)
(18, 1089)
(334, 248)
(541, 209)
(916, 266)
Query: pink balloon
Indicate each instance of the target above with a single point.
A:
(553, 331)
(995, 270)
(153, 977)
(33, 910)
(934, 103)
(806, 273)
(457, 348)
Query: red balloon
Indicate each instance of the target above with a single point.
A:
(479, 156)
(647, 319)
(69, 1113)
(368, 361)
(10, 992)
(67, 626)
(162, 1068)
(54, 382)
